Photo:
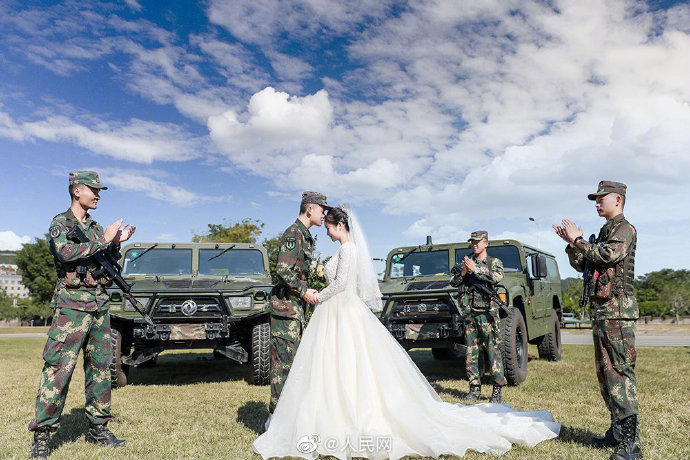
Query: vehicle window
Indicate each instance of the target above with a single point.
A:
(233, 262)
(552, 269)
(509, 255)
(420, 264)
(158, 262)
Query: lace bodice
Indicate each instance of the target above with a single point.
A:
(340, 271)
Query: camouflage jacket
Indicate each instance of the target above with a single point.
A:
(294, 258)
(613, 260)
(73, 290)
(489, 270)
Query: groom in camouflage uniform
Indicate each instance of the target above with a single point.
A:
(81, 320)
(291, 294)
(614, 312)
(482, 321)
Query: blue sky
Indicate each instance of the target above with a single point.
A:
(430, 117)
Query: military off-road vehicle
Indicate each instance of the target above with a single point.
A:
(199, 296)
(421, 309)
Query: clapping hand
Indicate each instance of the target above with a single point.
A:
(568, 231)
(468, 265)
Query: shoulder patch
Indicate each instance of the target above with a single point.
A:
(290, 242)
(54, 231)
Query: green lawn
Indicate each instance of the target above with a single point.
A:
(191, 407)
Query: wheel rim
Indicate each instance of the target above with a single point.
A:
(519, 347)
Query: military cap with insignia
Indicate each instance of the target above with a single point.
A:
(316, 198)
(479, 235)
(606, 186)
(89, 178)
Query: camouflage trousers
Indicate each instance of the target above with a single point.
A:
(483, 326)
(286, 334)
(70, 332)
(615, 355)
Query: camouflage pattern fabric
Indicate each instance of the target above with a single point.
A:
(613, 258)
(71, 331)
(288, 310)
(286, 334)
(489, 269)
(615, 356)
(484, 327)
(73, 290)
(613, 310)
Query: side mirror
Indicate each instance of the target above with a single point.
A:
(538, 266)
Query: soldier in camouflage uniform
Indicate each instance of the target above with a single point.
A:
(482, 320)
(291, 294)
(81, 320)
(614, 312)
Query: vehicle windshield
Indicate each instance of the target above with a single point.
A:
(158, 261)
(233, 262)
(509, 255)
(427, 263)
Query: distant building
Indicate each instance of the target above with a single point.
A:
(11, 281)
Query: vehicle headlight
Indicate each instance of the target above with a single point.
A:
(240, 303)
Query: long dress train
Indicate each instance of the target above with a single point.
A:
(353, 391)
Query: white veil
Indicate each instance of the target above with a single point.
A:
(367, 283)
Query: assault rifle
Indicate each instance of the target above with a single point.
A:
(472, 283)
(108, 267)
(587, 278)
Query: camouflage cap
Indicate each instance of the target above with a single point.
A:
(479, 235)
(316, 198)
(89, 178)
(606, 186)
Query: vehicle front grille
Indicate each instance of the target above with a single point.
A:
(421, 308)
(424, 285)
(192, 307)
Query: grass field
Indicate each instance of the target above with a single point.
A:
(190, 406)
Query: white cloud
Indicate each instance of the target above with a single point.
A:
(10, 241)
(151, 185)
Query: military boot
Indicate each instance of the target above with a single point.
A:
(474, 394)
(101, 435)
(496, 395)
(41, 446)
(627, 448)
(612, 436)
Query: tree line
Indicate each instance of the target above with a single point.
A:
(661, 293)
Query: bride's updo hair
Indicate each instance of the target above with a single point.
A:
(337, 215)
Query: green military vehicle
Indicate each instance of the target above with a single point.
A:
(421, 309)
(198, 296)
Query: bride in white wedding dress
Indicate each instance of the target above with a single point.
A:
(353, 391)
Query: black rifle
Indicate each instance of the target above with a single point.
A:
(109, 268)
(587, 277)
(472, 283)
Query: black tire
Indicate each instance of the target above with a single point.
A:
(550, 345)
(514, 347)
(445, 354)
(118, 372)
(261, 354)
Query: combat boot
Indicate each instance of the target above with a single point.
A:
(627, 448)
(101, 435)
(474, 395)
(496, 395)
(41, 446)
(611, 438)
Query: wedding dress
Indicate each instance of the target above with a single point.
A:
(353, 391)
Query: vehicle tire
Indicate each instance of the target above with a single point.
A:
(514, 347)
(118, 372)
(550, 345)
(261, 354)
(445, 354)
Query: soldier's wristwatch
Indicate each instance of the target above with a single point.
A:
(578, 238)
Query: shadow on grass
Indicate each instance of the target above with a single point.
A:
(189, 368)
(253, 415)
(577, 436)
(73, 426)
